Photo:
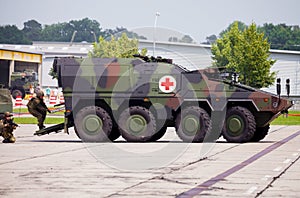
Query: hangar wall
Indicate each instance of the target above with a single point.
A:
(12, 60)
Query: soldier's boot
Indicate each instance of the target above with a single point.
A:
(9, 140)
(6, 141)
(41, 127)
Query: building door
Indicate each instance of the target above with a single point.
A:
(4, 70)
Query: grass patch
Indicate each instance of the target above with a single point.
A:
(25, 110)
(32, 120)
(290, 120)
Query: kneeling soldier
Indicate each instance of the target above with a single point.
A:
(7, 126)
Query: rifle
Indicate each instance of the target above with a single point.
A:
(11, 123)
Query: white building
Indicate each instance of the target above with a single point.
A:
(191, 56)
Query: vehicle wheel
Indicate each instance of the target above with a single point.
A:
(115, 133)
(17, 92)
(93, 124)
(137, 124)
(193, 124)
(239, 125)
(260, 133)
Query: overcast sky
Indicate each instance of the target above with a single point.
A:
(198, 18)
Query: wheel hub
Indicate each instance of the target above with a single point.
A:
(137, 124)
(191, 124)
(235, 125)
(92, 123)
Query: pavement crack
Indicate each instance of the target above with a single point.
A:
(275, 130)
(274, 179)
(129, 187)
(40, 156)
(173, 169)
(172, 181)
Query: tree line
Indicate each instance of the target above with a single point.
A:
(281, 36)
(73, 31)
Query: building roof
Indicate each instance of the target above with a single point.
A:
(9, 53)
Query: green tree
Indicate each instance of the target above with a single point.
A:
(211, 39)
(294, 43)
(247, 53)
(10, 34)
(118, 33)
(55, 32)
(86, 30)
(186, 39)
(241, 26)
(32, 30)
(119, 48)
(282, 36)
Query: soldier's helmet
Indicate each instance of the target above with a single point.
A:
(7, 114)
(40, 94)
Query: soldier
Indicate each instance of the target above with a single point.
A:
(37, 107)
(7, 126)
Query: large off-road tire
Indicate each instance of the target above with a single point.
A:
(93, 124)
(137, 124)
(115, 133)
(260, 133)
(18, 92)
(193, 124)
(239, 125)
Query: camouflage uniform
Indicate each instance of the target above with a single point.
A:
(37, 107)
(6, 128)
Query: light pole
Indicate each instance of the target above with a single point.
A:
(157, 14)
(92, 32)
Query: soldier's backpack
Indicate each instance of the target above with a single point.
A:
(30, 104)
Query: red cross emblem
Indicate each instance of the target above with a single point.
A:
(167, 84)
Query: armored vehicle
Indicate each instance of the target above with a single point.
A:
(21, 82)
(6, 103)
(140, 97)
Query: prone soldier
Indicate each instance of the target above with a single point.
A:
(37, 107)
(7, 126)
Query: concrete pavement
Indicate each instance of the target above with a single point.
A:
(61, 165)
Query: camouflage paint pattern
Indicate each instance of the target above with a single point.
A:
(164, 88)
(117, 81)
